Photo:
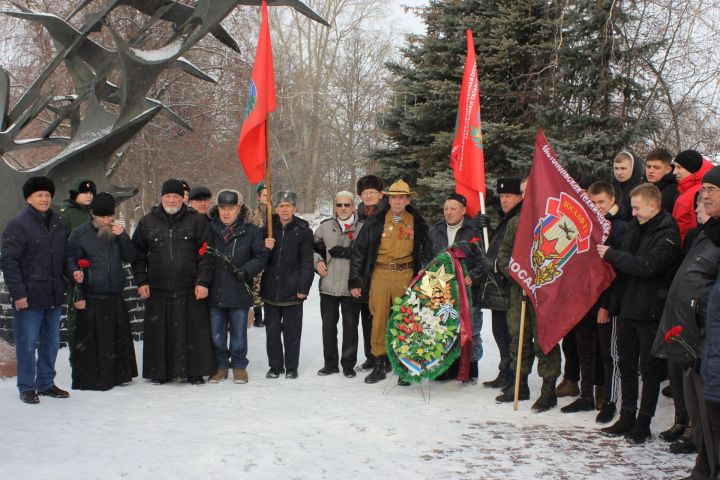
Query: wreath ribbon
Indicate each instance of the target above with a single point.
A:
(465, 316)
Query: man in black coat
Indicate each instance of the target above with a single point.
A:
(174, 278)
(33, 261)
(645, 265)
(494, 289)
(286, 284)
(392, 247)
(240, 242)
(104, 355)
(659, 172)
(372, 200)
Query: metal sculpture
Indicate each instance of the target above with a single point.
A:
(95, 131)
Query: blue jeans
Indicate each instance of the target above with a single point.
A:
(477, 323)
(36, 330)
(233, 320)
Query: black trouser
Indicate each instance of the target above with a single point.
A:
(586, 335)
(501, 332)
(635, 340)
(330, 309)
(285, 322)
(607, 348)
(705, 419)
(675, 374)
(366, 328)
(571, 369)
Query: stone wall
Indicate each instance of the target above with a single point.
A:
(136, 311)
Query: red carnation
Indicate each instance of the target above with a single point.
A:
(83, 263)
(401, 338)
(475, 240)
(203, 249)
(672, 333)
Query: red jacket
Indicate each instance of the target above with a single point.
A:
(684, 211)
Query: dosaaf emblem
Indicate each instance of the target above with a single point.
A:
(563, 231)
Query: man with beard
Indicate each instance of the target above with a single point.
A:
(174, 279)
(392, 247)
(33, 261)
(104, 355)
(369, 189)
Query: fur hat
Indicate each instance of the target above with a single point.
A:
(508, 185)
(690, 160)
(103, 205)
(38, 184)
(229, 197)
(285, 196)
(369, 181)
(173, 186)
(82, 185)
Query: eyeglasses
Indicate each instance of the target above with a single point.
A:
(710, 190)
(369, 192)
(340, 205)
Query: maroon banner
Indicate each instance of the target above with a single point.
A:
(554, 257)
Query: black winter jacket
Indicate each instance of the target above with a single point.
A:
(168, 256)
(668, 187)
(290, 268)
(246, 248)
(367, 245)
(105, 275)
(688, 295)
(32, 258)
(645, 265)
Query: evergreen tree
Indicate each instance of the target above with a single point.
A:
(557, 65)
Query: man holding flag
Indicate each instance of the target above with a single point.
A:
(553, 244)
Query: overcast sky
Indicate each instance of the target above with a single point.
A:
(407, 22)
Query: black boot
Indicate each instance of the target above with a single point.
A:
(685, 443)
(499, 382)
(388, 366)
(473, 374)
(508, 394)
(368, 364)
(548, 396)
(674, 432)
(640, 431)
(580, 404)
(378, 372)
(607, 412)
(258, 322)
(622, 426)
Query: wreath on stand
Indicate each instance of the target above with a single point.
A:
(429, 323)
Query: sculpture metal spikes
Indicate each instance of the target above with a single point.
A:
(96, 132)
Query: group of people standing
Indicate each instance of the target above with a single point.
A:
(207, 274)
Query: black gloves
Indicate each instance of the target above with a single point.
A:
(340, 252)
(482, 221)
(241, 275)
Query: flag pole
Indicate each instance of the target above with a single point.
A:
(485, 229)
(520, 349)
(268, 205)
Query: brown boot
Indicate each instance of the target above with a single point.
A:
(219, 376)
(567, 389)
(240, 375)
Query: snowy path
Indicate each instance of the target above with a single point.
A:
(313, 428)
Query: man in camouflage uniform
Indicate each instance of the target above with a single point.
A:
(76, 211)
(258, 216)
(548, 365)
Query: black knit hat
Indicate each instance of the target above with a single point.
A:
(713, 176)
(508, 185)
(103, 205)
(173, 186)
(458, 198)
(370, 181)
(690, 160)
(38, 184)
(185, 186)
(587, 180)
(200, 193)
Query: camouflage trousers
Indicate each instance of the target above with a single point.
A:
(257, 300)
(548, 365)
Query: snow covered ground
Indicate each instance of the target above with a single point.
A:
(313, 428)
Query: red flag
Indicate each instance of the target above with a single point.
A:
(252, 148)
(554, 258)
(467, 158)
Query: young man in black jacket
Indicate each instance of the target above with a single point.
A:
(645, 264)
(286, 284)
